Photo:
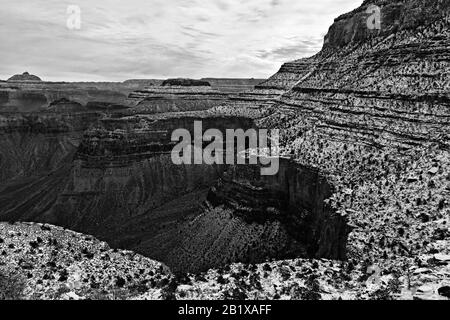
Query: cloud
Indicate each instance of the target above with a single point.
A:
(155, 38)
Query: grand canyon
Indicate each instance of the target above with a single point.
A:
(92, 206)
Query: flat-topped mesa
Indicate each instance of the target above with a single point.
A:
(174, 98)
(24, 77)
(181, 82)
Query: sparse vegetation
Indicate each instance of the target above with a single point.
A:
(12, 285)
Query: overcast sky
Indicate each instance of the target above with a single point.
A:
(123, 39)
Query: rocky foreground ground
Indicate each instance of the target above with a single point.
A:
(40, 261)
(46, 262)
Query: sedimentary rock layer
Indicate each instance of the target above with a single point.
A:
(176, 99)
(295, 195)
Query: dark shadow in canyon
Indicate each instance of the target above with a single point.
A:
(113, 178)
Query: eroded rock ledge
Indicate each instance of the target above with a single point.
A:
(175, 99)
(295, 195)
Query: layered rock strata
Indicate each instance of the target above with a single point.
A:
(34, 144)
(295, 195)
(24, 77)
(233, 85)
(176, 99)
(33, 96)
(372, 112)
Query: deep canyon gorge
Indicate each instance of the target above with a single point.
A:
(112, 176)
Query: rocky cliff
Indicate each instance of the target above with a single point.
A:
(371, 110)
(33, 144)
(377, 87)
(295, 195)
(175, 99)
(24, 77)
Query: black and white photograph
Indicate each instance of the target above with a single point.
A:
(225, 150)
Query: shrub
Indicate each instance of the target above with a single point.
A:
(11, 285)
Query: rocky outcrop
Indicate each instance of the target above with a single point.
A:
(389, 88)
(295, 195)
(407, 33)
(24, 77)
(372, 112)
(396, 17)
